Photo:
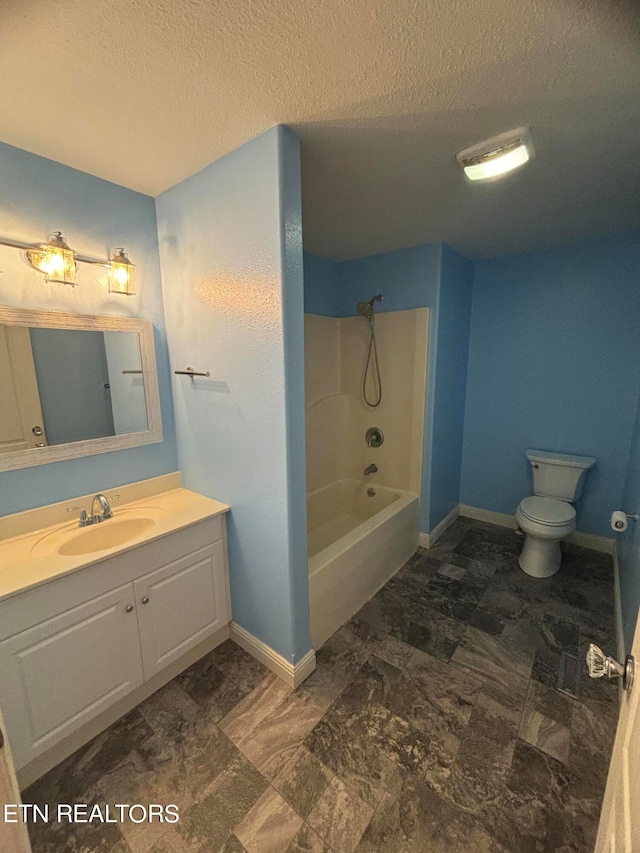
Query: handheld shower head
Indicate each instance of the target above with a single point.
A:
(365, 309)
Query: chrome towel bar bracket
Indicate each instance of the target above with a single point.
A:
(190, 372)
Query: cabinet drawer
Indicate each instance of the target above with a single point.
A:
(59, 674)
(179, 605)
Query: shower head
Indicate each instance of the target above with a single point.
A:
(365, 309)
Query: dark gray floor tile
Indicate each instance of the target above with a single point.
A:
(435, 698)
(308, 841)
(504, 672)
(415, 819)
(550, 702)
(238, 665)
(492, 544)
(457, 599)
(94, 837)
(210, 821)
(339, 661)
(68, 781)
(440, 637)
(537, 776)
(208, 686)
(302, 781)
(484, 758)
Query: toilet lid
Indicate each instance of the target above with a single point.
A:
(547, 510)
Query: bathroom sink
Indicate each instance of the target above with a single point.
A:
(74, 541)
(108, 534)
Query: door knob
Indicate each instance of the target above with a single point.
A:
(129, 608)
(600, 664)
(37, 430)
(145, 600)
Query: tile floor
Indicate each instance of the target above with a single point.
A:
(432, 723)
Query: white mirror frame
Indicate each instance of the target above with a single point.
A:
(75, 449)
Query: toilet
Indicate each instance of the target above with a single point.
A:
(547, 516)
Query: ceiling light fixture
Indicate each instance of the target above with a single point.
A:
(57, 261)
(496, 157)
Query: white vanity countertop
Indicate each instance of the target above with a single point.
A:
(21, 569)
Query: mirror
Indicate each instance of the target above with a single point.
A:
(73, 385)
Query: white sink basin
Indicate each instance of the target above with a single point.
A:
(74, 541)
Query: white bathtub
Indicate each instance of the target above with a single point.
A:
(356, 543)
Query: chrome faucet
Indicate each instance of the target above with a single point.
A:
(101, 504)
(370, 469)
(100, 510)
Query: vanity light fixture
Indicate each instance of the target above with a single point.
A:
(59, 263)
(121, 274)
(55, 259)
(496, 157)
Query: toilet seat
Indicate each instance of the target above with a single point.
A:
(547, 511)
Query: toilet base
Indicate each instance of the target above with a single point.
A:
(540, 558)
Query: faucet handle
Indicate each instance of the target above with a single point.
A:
(83, 514)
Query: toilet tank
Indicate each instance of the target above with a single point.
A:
(558, 475)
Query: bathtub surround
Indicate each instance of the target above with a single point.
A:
(553, 366)
(435, 277)
(39, 196)
(337, 417)
(231, 256)
(361, 526)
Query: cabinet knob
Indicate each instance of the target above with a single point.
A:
(129, 608)
(145, 600)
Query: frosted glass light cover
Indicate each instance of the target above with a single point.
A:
(496, 157)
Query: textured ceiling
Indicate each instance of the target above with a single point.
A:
(382, 94)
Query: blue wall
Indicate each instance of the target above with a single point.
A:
(553, 365)
(452, 353)
(231, 254)
(320, 285)
(39, 196)
(434, 277)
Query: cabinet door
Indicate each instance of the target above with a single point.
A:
(180, 605)
(59, 674)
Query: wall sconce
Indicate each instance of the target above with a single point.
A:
(59, 263)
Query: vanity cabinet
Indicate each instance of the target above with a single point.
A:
(75, 646)
(179, 605)
(58, 674)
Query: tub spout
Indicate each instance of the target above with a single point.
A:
(370, 469)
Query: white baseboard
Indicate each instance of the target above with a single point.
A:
(428, 540)
(292, 674)
(488, 515)
(585, 540)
